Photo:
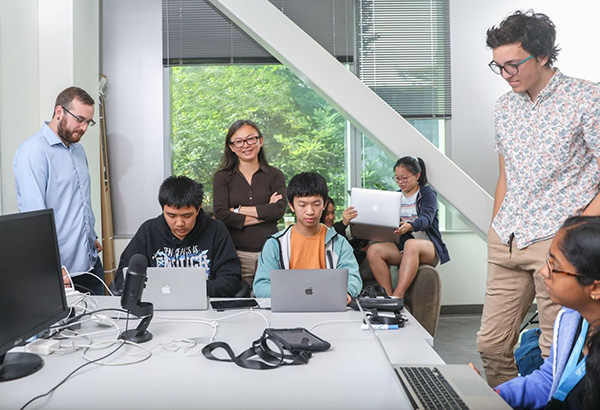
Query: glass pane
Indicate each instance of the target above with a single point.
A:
(302, 132)
(378, 165)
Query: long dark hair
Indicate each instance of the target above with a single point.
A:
(581, 247)
(327, 202)
(415, 166)
(230, 160)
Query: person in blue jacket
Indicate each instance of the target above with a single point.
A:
(308, 244)
(419, 238)
(570, 376)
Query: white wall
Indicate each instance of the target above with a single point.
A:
(475, 89)
(132, 61)
(19, 87)
(45, 46)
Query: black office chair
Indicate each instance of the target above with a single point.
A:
(244, 291)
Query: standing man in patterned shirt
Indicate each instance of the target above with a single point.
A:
(548, 141)
(51, 171)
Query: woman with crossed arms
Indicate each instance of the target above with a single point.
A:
(249, 195)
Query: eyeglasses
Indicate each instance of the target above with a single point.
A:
(239, 143)
(402, 179)
(551, 270)
(509, 68)
(80, 120)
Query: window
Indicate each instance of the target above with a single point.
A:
(302, 132)
(221, 75)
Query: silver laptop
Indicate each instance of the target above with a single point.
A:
(176, 288)
(309, 290)
(442, 386)
(378, 214)
(472, 391)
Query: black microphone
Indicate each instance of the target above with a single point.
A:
(135, 280)
(134, 283)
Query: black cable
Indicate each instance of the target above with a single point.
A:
(80, 367)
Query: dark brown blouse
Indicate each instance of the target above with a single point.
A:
(231, 189)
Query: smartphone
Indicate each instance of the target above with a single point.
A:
(220, 305)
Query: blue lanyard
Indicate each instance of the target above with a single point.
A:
(573, 372)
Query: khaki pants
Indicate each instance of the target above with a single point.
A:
(513, 281)
(249, 261)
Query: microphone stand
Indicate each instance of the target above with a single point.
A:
(145, 310)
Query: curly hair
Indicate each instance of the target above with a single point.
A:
(535, 32)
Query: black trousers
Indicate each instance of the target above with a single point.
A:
(93, 284)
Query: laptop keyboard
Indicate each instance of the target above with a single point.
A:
(431, 388)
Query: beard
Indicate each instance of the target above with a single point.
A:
(66, 134)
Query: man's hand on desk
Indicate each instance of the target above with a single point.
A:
(348, 299)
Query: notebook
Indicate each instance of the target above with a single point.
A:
(309, 290)
(378, 214)
(176, 288)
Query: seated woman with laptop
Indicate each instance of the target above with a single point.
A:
(419, 239)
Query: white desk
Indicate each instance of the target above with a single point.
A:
(353, 374)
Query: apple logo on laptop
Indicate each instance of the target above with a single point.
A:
(375, 208)
(166, 289)
(309, 291)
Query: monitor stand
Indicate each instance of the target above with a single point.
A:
(16, 365)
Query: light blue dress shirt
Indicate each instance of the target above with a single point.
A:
(50, 175)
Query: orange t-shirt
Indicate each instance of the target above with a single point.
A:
(308, 252)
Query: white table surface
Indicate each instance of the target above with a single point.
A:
(353, 374)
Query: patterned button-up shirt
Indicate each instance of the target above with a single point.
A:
(550, 147)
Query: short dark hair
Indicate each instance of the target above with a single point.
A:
(66, 97)
(180, 192)
(415, 166)
(535, 32)
(307, 184)
(230, 160)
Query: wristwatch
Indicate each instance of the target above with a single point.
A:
(237, 210)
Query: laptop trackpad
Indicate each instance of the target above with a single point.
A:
(469, 388)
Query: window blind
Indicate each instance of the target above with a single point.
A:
(404, 54)
(195, 32)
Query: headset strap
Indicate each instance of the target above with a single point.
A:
(271, 359)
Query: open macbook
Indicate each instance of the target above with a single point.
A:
(378, 214)
(447, 386)
(309, 290)
(176, 288)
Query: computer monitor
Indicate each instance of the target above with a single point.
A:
(32, 295)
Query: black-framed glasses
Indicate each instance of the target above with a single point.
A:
(80, 120)
(551, 270)
(509, 68)
(402, 179)
(239, 143)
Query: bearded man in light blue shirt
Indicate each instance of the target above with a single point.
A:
(51, 171)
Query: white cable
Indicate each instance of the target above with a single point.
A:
(333, 321)
(127, 342)
(91, 274)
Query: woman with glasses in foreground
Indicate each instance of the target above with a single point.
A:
(249, 195)
(570, 376)
(419, 238)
